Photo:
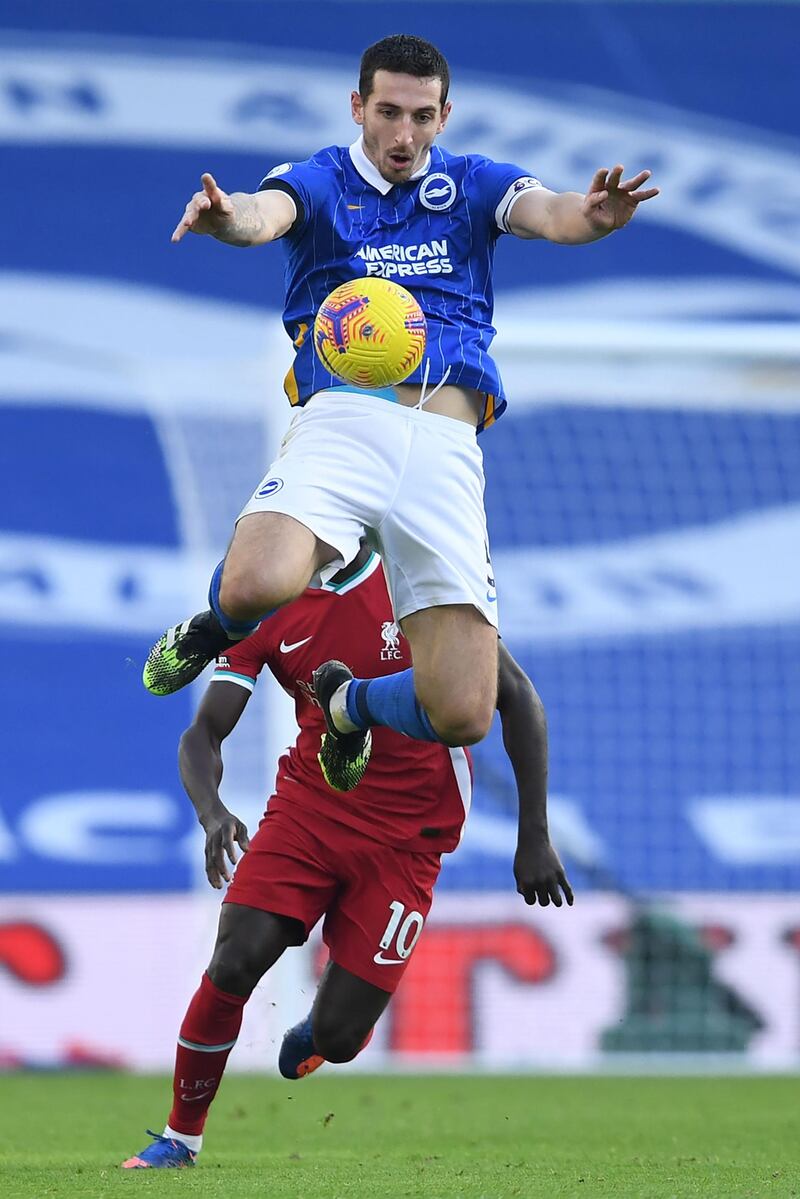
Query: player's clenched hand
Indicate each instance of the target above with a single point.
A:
(207, 211)
(222, 830)
(540, 875)
(611, 200)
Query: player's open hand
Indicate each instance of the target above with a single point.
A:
(207, 211)
(611, 200)
(540, 875)
(222, 830)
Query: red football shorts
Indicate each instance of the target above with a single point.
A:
(374, 897)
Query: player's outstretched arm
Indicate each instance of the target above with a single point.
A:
(572, 219)
(200, 763)
(240, 219)
(537, 867)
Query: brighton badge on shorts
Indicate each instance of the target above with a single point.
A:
(268, 488)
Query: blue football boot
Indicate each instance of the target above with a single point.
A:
(164, 1153)
(297, 1057)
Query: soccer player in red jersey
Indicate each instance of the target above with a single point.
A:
(367, 862)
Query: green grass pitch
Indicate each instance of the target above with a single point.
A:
(338, 1135)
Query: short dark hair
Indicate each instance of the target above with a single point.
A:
(405, 55)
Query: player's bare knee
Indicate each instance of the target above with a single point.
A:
(467, 733)
(233, 969)
(463, 724)
(246, 594)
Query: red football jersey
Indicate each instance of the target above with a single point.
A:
(415, 794)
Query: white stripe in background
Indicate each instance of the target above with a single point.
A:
(51, 581)
(496, 836)
(137, 103)
(103, 344)
(748, 830)
(68, 341)
(740, 571)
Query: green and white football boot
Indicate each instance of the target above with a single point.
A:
(343, 757)
(183, 652)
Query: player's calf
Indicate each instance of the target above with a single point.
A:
(339, 1041)
(354, 705)
(302, 1052)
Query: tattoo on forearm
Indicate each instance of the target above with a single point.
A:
(247, 224)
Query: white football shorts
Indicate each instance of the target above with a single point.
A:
(412, 481)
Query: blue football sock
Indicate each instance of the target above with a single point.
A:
(390, 701)
(237, 630)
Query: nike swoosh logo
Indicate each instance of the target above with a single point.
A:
(287, 649)
(380, 960)
(194, 1098)
(355, 207)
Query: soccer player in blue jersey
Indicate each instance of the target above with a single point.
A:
(401, 464)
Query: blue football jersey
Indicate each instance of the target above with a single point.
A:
(435, 235)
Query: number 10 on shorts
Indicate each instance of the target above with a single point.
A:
(403, 930)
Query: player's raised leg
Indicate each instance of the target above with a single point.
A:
(269, 562)
(454, 650)
(450, 695)
(436, 556)
(249, 942)
(338, 1027)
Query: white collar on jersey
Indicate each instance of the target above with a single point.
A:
(370, 566)
(370, 173)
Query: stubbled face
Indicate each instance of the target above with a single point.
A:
(400, 118)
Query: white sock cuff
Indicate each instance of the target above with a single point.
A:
(195, 1143)
(338, 707)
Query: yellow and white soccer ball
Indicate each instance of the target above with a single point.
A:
(370, 332)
